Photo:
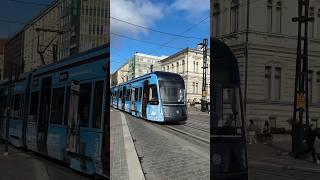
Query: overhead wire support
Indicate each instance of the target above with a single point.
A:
(301, 97)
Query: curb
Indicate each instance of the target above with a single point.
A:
(134, 167)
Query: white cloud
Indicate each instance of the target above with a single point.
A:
(141, 12)
(194, 8)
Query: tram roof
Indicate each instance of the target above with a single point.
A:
(160, 75)
(224, 64)
(101, 51)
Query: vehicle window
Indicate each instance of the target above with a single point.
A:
(136, 94)
(57, 105)
(34, 104)
(97, 104)
(153, 94)
(140, 94)
(228, 108)
(66, 106)
(84, 104)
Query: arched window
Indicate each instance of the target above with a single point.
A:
(183, 65)
(177, 67)
(318, 86)
(267, 83)
(279, 17)
(234, 16)
(269, 16)
(277, 83)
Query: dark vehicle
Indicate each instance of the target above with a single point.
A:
(228, 149)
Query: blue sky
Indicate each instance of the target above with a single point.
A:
(17, 12)
(172, 16)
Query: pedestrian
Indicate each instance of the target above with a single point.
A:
(266, 132)
(252, 132)
(310, 137)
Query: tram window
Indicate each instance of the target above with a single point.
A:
(153, 95)
(84, 104)
(57, 106)
(140, 94)
(97, 105)
(136, 94)
(17, 99)
(228, 108)
(66, 107)
(34, 104)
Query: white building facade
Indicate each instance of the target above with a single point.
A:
(272, 48)
(188, 63)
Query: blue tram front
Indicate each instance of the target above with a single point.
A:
(158, 96)
(228, 150)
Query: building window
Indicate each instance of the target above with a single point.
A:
(197, 68)
(279, 17)
(277, 83)
(172, 68)
(194, 66)
(318, 23)
(197, 90)
(216, 22)
(177, 67)
(90, 28)
(269, 16)
(318, 85)
(183, 65)
(311, 25)
(310, 86)
(267, 83)
(193, 87)
(234, 15)
(167, 68)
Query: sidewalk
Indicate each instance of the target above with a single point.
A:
(277, 154)
(20, 165)
(125, 163)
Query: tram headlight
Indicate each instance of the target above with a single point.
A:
(217, 159)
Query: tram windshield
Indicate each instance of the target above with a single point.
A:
(228, 108)
(172, 92)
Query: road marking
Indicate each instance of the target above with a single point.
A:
(40, 170)
(134, 167)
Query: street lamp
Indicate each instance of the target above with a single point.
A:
(204, 47)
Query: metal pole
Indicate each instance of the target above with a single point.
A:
(204, 76)
(246, 60)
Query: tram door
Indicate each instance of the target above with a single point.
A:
(133, 99)
(44, 115)
(73, 124)
(124, 93)
(145, 98)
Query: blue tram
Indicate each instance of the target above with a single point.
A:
(157, 96)
(59, 110)
(228, 150)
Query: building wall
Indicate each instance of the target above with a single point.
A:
(121, 75)
(14, 56)
(188, 63)
(141, 64)
(86, 25)
(272, 45)
(49, 20)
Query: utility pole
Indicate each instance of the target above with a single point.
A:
(301, 104)
(246, 58)
(204, 46)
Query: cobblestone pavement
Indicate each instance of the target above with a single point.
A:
(265, 163)
(164, 155)
(197, 125)
(119, 167)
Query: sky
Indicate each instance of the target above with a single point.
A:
(189, 18)
(17, 14)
